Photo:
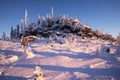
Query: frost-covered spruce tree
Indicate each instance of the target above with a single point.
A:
(38, 22)
(99, 32)
(4, 36)
(49, 21)
(12, 33)
(17, 31)
(43, 21)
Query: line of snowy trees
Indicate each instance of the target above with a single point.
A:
(14, 34)
(25, 30)
(48, 25)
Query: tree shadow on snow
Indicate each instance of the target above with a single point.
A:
(12, 78)
(110, 58)
(113, 72)
(74, 55)
(11, 52)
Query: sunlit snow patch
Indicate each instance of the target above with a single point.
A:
(29, 53)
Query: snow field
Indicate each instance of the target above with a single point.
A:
(80, 61)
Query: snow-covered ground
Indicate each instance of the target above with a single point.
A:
(81, 60)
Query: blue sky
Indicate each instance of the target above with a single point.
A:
(102, 14)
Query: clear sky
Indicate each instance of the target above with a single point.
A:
(102, 14)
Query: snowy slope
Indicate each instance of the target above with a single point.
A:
(85, 59)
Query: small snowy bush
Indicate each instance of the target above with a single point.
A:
(37, 74)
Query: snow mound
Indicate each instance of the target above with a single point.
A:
(63, 75)
(79, 75)
(13, 59)
(8, 59)
(98, 65)
(29, 53)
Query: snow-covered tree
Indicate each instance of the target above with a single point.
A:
(15, 33)
(26, 20)
(18, 31)
(49, 20)
(22, 26)
(12, 33)
(38, 22)
(4, 36)
(99, 32)
(43, 22)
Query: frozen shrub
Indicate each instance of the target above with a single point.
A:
(37, 74)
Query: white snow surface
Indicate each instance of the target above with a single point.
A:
(80, 60)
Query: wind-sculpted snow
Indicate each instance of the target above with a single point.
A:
(85, 59)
